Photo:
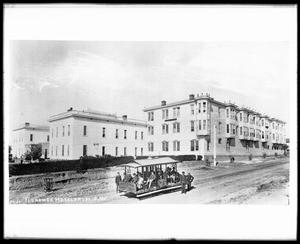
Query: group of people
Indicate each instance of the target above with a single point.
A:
(170, 176)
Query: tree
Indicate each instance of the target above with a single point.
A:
(34, 153)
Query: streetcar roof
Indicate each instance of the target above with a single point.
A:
(150, 161)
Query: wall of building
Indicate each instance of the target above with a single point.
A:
(94, 139)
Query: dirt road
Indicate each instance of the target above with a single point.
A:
(248, 182)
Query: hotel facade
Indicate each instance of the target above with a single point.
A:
(27, 134)
(89, 133)
(187, 127)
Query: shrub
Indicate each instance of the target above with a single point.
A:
(231, 159)
(250, 156)
(264, 155)
(276, 154)
(200, 157)
(207, 162)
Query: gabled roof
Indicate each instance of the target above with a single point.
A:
(149, 162)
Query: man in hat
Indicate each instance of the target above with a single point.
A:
(117, 180)
(183, 183)
(189, 179)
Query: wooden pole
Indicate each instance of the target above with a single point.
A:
(215, 145)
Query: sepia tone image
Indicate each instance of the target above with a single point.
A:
(106, 122)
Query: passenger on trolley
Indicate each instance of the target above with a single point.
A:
(151, 178)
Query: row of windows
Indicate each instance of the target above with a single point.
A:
(62, 151)
(30, 138)
(85, 151)
(194, 146)
(62, 133)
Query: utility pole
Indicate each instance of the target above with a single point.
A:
(215, 145)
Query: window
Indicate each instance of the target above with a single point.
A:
(142, 135)
(103, 132)
(200, 125)
(176, 112)
(176, 145)
(84, 150)
(204, 124)
(56, 132)
(125, 151)
(151, 130)
(150, 146)
(232, 128)
(227, 126)
(199, 107)
(232, 114)
(103, 150)
(176, 127)
(219, 112)
(273, 136)
(165, 129)
(52, 151)
(125, 134)
(56, 151)
(117, 133)
(241, 131)
(116, 151)
(52, 133)
(194, 145)
(135, 151)
(63, 131)
(84, 130)
(220, 127)
(135, 135)
(48, 137)
(142, 151)
(204, 107)
(31, 137)
(68, 130)
(165, 114)
(68, 150)
(241, 116)
(192, 109)
(151, 116)
(220, 140)
(165, 146)
(62, 150)
(227, 112)
(192, 126)
(207, 145)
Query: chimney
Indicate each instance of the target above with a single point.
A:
(70, 109)
(26, 124)
(191, 96)
(163, 103)
(124, 117)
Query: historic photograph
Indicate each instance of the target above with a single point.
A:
(149, 122)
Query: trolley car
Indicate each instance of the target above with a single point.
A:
(164, 169)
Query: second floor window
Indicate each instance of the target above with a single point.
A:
(241, 117)
(150, 146)
(192, 109)
(204, 124)
(192, 126)
(165, 129)
(103, 132)
(228, 130)
(135, 135)
(165, 146)
(117, 133)
(176, 112)
(142, 135)
(68, 130)
(56, 132)
(63, 131)
(165, 114)
(176, 127)
(31, 137)
(125, 134)
(84, 130)
(150, 130)
(176, 145)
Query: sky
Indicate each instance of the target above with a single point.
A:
(49, 77)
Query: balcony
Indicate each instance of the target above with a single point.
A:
(230, 135)
(203, 132)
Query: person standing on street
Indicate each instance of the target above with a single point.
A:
(183, 183)
(189, 179)
(118, 179)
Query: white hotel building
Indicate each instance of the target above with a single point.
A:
(187, 127)
(27, 134)
(78, 133)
